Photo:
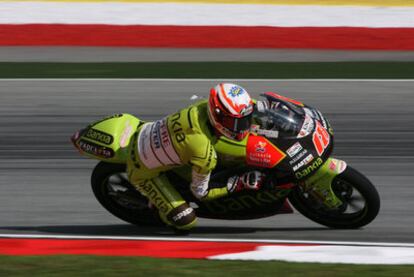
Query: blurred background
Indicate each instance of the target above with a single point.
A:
(206, 30)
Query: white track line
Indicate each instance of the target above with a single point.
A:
(270, 241)
(196, 80)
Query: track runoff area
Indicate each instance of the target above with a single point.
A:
(210, 248)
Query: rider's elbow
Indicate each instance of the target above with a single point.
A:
(198, 191)
(199, 184)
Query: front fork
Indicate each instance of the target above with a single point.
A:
(319, 185)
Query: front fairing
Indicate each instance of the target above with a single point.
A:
(300, 132)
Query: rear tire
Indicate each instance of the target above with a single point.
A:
(114, 192)
(346, 185)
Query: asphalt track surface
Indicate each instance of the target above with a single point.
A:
(126, 54)
(44, 183)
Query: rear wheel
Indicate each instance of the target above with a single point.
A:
(361, 202)
(114, 192)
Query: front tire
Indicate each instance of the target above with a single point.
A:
(112, 189)
(350, 187)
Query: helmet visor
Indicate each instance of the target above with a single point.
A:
(237, 125)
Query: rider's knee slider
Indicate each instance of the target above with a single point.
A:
(183, 215)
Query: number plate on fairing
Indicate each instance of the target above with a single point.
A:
(305, 154)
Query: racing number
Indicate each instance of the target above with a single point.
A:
(320, 138)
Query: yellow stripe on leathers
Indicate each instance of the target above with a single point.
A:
(267, 2)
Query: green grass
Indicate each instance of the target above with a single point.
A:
(380, 70)
(128, 266)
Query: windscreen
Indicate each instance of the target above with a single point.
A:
(279, 117)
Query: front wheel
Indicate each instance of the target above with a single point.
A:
(114, 192)
(361, 202)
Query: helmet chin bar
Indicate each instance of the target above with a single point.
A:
(229, 134)
(225, 131)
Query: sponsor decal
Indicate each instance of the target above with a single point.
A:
(166, 144)
(320, 138)
(156, 135)
(268, 133)
(245, 202)
(298, 157)
(145, 151)
(307, 127)
(95, 149)
(165, 135)
(99, 136)
(305, 172)
(261, 147)
(263, 132)
(154, 196)
(176, 127)
(303, 162)
(155, 147)
(337, 166)
(332, 165)
(262, 153)
(182, 214)
(294, 149)
(236, 91)
(246, 110)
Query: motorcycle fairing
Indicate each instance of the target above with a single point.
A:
(303, 134)
(246, 205)
(241, 205)
(283, 98)
(107, 139)
(262, 153)
(319, 184)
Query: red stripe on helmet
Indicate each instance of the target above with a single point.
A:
(230, 103)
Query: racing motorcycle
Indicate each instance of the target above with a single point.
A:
(289, 141)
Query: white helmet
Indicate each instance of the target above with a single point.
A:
(230, 110)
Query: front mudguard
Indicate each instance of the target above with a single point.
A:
(319, 184)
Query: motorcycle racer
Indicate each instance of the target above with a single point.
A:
(289, 142)
(187, 138)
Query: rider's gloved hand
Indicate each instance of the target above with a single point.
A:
(252, 180)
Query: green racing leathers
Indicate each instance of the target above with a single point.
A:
(183, 139)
